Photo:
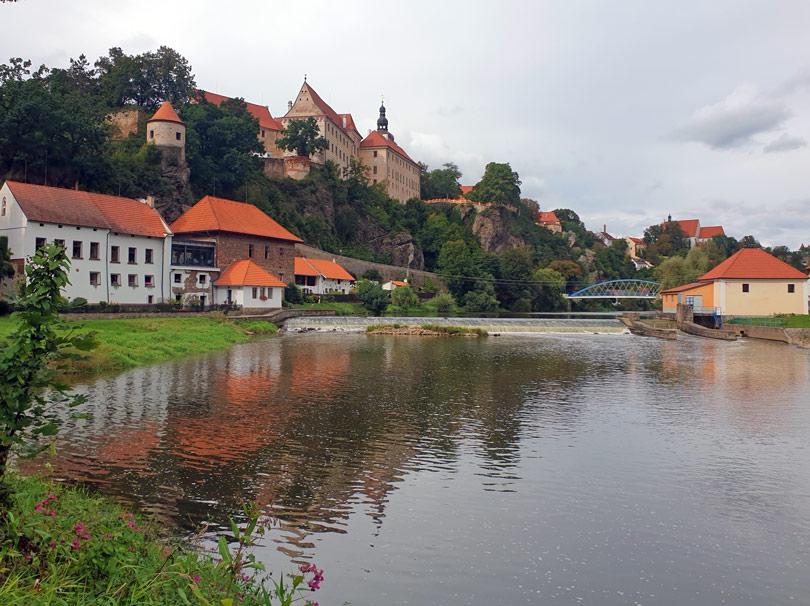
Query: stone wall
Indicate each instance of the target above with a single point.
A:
(273, 167)
(357, 267)
(124, 123)
(279, 258)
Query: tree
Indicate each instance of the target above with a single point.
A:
(549, 286)
(372, 275)
(728, 244)
(457, 266)
(749, 242)
(293, 294)
(302, 137)
(444, 302)
(499, 184)
(403, 296)
(6, 268)
(29, 391)
(441, 182)
(373, 297)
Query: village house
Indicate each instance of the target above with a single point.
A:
(750, 282)
(216, 232)
(393, 284)
(246, 284)
(548, 220)
(319, 276)
(119, 248)
(694, 233)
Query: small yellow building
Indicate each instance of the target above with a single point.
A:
(751, 282)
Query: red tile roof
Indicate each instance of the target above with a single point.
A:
(548, 218)
(349, 123)
(218, 214)
(261, 112)
(399, 283)
(638, 241)
(375, 139)
(323, 106)
(465, 189)
(330, 269)
(710, 232)
(753, 263)
(303, 268)
(683, 288)
(689, 227)
(246, 273)
(166, 113)
(85, 209)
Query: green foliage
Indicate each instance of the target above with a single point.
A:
(481, 298)
(293, 294)
(548, 289)
(444, 302)
(677, 271)
(456, 330)
(749, 242)
(256, 327)
(440, 182)
(405, 297)
(30, 395)
(63, 546)
(6, 268)
(499, 184)
(220, 141)
(374, 298)
(302, 137)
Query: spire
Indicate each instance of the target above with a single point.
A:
(382, 121)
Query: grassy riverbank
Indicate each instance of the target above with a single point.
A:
(61, 545)
(127, 343)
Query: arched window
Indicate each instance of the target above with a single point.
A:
(3, 211)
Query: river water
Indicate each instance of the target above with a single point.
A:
(523, 469)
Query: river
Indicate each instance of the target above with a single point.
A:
(522, 469)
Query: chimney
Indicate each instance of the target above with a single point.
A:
(289, 105)
(344, 121)
(150, 201)
(604, 228)
(369, 132)
(76, 185)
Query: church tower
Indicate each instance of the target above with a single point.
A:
(166, 130)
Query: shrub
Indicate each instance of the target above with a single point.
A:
(404, 296)
(444, 302)
(293, 294)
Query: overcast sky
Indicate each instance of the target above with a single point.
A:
(624, 111)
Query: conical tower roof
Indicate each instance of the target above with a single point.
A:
(166, 113)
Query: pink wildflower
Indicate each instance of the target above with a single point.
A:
(76, 544)
(51, 513)
(52, 543)
(38, 507)
(78, 528)
(196, 578)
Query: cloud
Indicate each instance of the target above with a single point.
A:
(784, 143)
(799, 81)
(734, 121)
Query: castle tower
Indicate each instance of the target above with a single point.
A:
(382, 124)
(166, 130)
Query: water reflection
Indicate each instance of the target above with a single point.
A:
(627, 454)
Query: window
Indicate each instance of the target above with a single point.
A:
(250, 250)
(40, 242)
(114, 254)
(178, 278)
(791, 288)
(94, 278)
(115, 279)
(262, 133)
(59, 243)
(132, 256)
(281, 252)
(150, 299)
(149, 280)
(3, 211)
(375, 170)
(202, 278)
(375, 154)
(255, 292)
(266, 252)
(77, 249)
(132, 279)
(281, 276)
(177, 135)
(745, 287)
(195, 253)
(151, 134)
(94, 250)
(147, 258)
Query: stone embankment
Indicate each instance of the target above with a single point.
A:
(660, 329)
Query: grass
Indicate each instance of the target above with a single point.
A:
(795, 321)
(127, 343)
(435, 328)
(341, 309)
(62, 545)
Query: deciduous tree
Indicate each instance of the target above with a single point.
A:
(302, 137)
(499, 184)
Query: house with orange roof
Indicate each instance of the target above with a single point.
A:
(393, 284)
(338, 129)
(214, 233)
(119, 248)
(635, 246)
(548, 220)
(321, 276)
(167, 131)
(387, 162)
(269, 127)
(246, 284)
(694, 232)
(750, 282)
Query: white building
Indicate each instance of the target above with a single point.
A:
(119, 248)
(245, 283)
(319, 277)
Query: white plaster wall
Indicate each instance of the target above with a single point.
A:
(13, 223)
(157, 269)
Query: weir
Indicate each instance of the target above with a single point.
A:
(491, 325)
